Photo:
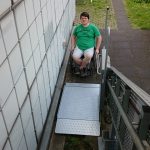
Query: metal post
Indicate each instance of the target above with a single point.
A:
(106, 29)
(117, 87)
(145, 123)
(126, 99)
(103, 82)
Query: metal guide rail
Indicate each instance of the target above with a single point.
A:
(130, 112)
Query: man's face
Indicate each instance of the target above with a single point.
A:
(84, 20)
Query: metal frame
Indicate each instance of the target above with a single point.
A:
(126, 107)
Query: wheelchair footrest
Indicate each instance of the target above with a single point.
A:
(84, 72)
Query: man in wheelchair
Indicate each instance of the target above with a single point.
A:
(85, 37)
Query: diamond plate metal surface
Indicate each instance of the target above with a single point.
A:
(79, 127)
(79, 109)
(84, 85)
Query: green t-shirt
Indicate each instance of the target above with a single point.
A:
(85, 36)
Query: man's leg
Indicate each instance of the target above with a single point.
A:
(77, 56)
(88, 54)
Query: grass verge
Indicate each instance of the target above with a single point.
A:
(138, 14)
(97, 11)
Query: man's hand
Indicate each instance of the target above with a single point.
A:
(71, 49)
(97, 51)
(73, 41)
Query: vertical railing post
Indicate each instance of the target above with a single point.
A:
(125, 102)
(117, 88)
(106, 29)
(145, 123)
(103, 81)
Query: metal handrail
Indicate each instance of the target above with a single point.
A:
(133, 101)
(142, 94)
(130, 129)
(98, 63)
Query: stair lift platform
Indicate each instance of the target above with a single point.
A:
(79, 110)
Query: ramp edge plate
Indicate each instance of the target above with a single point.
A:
(78, 127)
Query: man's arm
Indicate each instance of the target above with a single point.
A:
(98, 43)
(73, 42)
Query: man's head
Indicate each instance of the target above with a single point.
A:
(84, 17)
(84, 14)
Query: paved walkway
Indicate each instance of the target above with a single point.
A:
(130, 49)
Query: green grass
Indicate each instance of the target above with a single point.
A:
(138, 14)
(97, 11)
(80, 142)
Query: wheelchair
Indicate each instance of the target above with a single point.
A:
(87, 71)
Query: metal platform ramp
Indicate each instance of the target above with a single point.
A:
(79, 110)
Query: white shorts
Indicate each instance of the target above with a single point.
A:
(77, 53)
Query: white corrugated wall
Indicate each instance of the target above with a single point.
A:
(32, 36)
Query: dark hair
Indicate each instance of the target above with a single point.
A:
(85, 14)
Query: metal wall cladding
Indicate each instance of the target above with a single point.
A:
(50, 68)
(38, 122)
(45, 19)
(16, 134)
(3, 131)
(42, 47)
(20, 16)
(33, 35)
(29, 11)
(26, 113)
(16, 63)
(21, 89)
(2, 51)
(42, 95)
(26, 49)
(37, 58)
(30, 135)
(22, 144)
(4, 5)
(8, 27)
(46, 82)
(7, 146)
(10, 110)
(34, 94)
(32, 45)
(39, 25)
(37, 8)
(6, 83)
(30, 71)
